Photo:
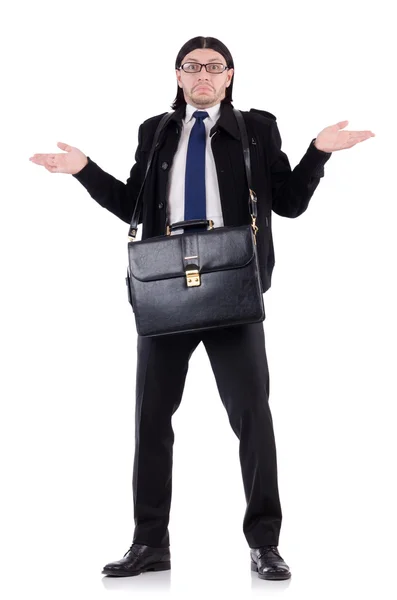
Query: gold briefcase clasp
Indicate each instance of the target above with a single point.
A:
(193, 278)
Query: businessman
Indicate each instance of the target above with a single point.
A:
(203, 137)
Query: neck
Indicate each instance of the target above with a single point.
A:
(203, 106)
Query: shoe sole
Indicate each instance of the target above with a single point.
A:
(270, 576)
(161, 566)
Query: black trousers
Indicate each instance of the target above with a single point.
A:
(238, 359)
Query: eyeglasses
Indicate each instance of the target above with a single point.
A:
(190, 67)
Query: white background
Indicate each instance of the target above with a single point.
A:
(88, 74)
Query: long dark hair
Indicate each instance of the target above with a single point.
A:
(203, 42)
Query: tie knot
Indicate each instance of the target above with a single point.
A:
(200, 114)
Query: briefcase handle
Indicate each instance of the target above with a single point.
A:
(192, 223)
(252, 196)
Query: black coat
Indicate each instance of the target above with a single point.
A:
(287, 192)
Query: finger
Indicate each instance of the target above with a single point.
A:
(46, 160)
(362, 139)
(52, 168)
(359, 136)
(64, 146)
(40, 157)
(366, 132)
(342, 124)
(353, 141)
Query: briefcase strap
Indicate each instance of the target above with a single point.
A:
(138, 206)
(247, 162)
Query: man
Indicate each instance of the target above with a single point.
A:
(203, 111)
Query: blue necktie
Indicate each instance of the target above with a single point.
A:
(195, 206)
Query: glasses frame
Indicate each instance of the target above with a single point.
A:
(225, 67)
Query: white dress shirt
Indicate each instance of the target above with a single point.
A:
(176, 177)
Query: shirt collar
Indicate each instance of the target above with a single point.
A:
(213, 112)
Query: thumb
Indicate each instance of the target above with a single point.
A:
(63, 146)
(342, 124)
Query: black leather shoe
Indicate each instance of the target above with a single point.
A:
(138, 559)
(268, 563)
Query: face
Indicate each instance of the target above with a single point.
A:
(203, 89)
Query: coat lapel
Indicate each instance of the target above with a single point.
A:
(226, 121)
(228, 156)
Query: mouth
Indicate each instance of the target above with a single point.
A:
(200, 87)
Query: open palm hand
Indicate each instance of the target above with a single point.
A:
(334, 138)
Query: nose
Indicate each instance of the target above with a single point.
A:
(203, 80)
(203, 74)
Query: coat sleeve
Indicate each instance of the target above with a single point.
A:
(292, 189)
(114, 195)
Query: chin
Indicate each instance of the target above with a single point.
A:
(202, 97)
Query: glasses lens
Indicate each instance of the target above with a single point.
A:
(215, 68)
(191, 67)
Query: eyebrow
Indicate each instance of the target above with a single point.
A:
(196, 60)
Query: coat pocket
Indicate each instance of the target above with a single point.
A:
(127, 282)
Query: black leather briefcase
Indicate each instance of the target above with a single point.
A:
(201, 279)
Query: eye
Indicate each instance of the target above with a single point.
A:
(216, 67)
(192, 67)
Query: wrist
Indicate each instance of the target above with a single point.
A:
(319, 149)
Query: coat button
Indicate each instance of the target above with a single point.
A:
(161, 204)
(164, 166)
